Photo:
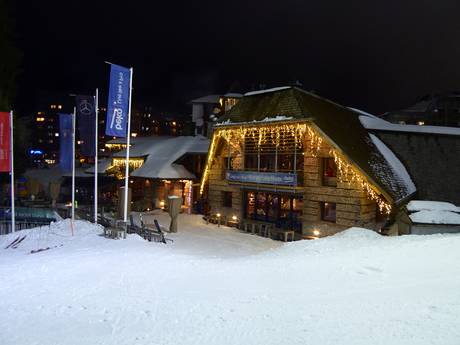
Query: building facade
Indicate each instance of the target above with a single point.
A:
(300, 162)
(435, 109)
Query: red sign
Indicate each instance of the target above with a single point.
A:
(5, 164)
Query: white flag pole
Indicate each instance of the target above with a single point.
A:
(96, 104)
(128, 137)
(13, 214)
(73, 166)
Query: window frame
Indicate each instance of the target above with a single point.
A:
(323, 205)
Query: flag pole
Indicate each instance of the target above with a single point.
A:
(73, 167)
(128, 137)
(13, 214)
(96, 155)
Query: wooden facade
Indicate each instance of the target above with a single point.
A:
(352, 205)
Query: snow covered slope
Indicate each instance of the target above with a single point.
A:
(219, 286)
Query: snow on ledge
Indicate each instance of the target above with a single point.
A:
(435, 217)
(252, 93)
(267, 119)
(395, 164)
(370, 122)
(427, 205)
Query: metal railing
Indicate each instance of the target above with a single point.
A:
(26, 218)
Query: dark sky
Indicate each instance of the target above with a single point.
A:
(375, 55)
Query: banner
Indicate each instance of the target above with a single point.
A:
(86, 117)
(285, 179)
(118, 103)
(65, 146)
(5, 141)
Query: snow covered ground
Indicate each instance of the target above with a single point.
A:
(219, 286)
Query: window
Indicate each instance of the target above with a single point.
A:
(227, 199)
(329, 172)
(328, 211)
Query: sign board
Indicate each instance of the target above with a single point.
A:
(285, 179)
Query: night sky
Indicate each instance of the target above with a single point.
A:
(374, 55)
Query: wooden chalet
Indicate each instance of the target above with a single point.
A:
(301, 163)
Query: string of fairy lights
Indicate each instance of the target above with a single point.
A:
(281, 134)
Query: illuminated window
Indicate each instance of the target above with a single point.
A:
(328, 213)
(329, 170)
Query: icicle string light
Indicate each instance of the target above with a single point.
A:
(348, 174)
(276, 134)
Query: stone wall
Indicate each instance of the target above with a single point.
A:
(432, 160)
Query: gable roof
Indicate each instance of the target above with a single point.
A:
(339, 124)
(161, 154)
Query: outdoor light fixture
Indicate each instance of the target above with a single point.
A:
(234, 217)
(316, 232)
(162, 204)
(267, 133)
(218, 214)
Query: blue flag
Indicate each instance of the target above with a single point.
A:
(117, 105)
(65, 146)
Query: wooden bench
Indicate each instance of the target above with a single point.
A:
(283, 235)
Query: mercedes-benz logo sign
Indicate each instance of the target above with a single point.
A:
(86, 108)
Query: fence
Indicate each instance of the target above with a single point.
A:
(26, 218)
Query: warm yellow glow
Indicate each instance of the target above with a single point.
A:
(134, 135)
(235, 218)
(421, 123)
(40, 119)
(218, 215)
(115, 146)
(134, 163)
(300, 131)
(348, 173)
(316, 232)
(162, 204)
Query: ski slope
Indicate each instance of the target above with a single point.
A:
(219, 286)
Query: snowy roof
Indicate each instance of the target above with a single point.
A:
(267, 119)
(341, 125)
(400, 175)
(425, 205)
(382, 125)
(433, 212)
(139, 146)
(214, 99)
(161, 154)
(102, 166)
(435, 217)
(79, 172)
(258, 92)
(233, 95)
